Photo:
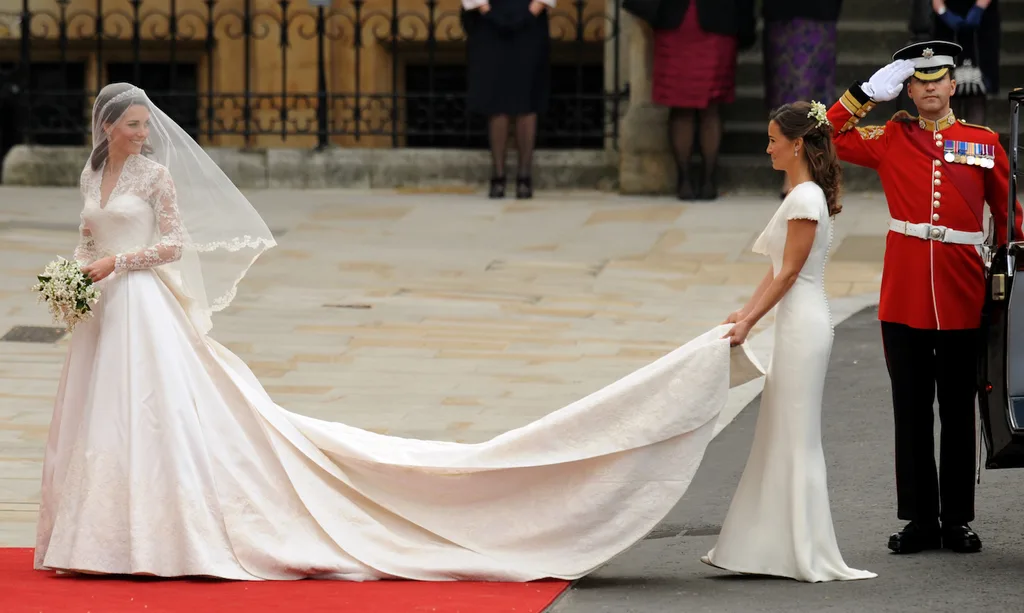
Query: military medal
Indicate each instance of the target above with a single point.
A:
(972, 154)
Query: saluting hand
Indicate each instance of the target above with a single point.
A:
(887, 83)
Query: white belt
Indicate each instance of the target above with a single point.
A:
(927, 231)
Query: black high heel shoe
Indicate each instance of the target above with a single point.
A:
(524, 188)
(709, 187)
(684, 188)
(497, 187)
(708, 191)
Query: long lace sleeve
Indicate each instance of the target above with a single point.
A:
(169, 246)
(85, 251)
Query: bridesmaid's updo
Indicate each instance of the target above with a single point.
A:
(806, 120)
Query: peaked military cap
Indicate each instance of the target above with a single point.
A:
(932, 59)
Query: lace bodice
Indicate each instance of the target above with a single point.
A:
(805, 201)
(139, 224)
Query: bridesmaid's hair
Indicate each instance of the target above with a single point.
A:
(795, 120)
(117, 109)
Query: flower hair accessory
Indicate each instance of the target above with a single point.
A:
(820, 113)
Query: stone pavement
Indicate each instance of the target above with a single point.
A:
(432, 315)
(663, 574)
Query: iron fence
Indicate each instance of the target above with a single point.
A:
(376, 72)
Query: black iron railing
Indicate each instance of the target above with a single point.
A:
(360, 72)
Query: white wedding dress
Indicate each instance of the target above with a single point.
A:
(780, 522)
(166, 457)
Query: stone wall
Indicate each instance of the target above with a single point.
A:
(341, 168)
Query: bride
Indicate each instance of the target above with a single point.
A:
(780, 522)
(166, 457)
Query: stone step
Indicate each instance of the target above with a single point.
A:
(870, 36)
(751, 138)
(899, 10)
(754, 173)
(854, 67)
(750, 106)
(894, 10)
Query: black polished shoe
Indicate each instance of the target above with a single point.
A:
(524, 188)
(497, 187)
(960, 539)
(915, 538)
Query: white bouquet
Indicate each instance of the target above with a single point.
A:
(68, 292)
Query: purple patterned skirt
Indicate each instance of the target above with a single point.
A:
(799, 61)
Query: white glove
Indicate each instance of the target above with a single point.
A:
(887, 83)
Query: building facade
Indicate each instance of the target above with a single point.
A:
(291, 73)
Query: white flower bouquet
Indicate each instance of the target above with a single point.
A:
(68, 292)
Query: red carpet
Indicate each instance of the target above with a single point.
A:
(23, 590)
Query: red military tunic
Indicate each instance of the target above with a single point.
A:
(928, 284)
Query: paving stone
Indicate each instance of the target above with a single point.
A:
(442, 316)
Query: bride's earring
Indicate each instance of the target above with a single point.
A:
(796, 151)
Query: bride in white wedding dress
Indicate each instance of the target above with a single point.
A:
(166, 457)
(780, 521)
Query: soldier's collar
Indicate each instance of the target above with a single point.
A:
(938, 125)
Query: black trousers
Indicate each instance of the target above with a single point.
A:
(921, 362)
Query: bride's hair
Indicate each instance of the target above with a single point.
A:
(802, 119)
(111, 113)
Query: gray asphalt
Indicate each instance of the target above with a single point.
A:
(664, 572)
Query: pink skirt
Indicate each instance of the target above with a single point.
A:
(693, 68)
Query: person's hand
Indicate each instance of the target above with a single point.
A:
(536, 7)
(887, 82)
(100, 269)
(734, 317)
(983, 4)
(974, 16)
(484, 9)
(738, 334)
(938, 6)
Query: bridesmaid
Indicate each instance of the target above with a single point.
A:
(799, 52)
(694, 74)
(508, 49)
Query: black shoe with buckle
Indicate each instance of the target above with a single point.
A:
(915, 538)
(960, 539)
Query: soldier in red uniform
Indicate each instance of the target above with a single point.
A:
(937, 173)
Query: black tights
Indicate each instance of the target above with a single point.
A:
(682, 128)
(526, 137)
